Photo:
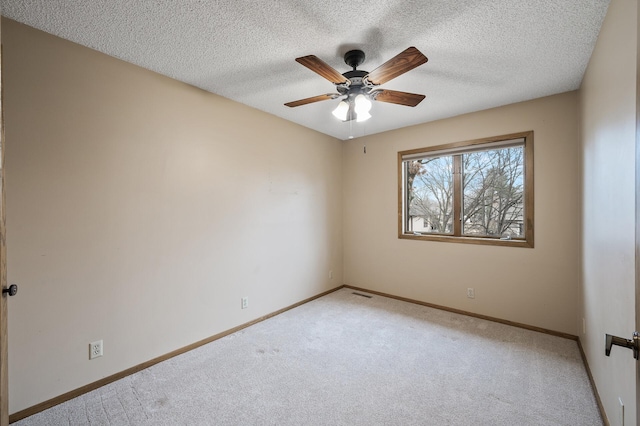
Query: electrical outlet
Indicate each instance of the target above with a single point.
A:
(95, 349)
(471, 293)
(621, 411)
(330, 274)
(244, 302)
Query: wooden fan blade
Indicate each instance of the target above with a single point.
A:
(312, 99)
(400, 98)
(322, 68)
(398, 65)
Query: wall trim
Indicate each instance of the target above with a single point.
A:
(469, 314)
(129, 371)
(603, 414)
(105, 381)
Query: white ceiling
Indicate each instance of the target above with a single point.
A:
(482, 53)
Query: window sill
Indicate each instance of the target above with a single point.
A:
(522, 243)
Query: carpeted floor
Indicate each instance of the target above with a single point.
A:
(345, 359)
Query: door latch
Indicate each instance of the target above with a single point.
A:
(633, 344)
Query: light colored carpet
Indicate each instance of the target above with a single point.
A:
(345, 359)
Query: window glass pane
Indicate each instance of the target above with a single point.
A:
(493, 193)
(430, 195)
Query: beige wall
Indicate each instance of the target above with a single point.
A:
(140, 211)
(608, 109)
(536, 286)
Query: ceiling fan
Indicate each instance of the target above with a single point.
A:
(360, 87)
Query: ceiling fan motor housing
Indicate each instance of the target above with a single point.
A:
(354, 58)
(356, 82)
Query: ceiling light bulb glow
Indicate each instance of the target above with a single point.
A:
(363, 116)
(341, 111)
(362, 108)
(362, 104)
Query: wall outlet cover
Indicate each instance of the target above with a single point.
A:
(621, 411)
(96, 349)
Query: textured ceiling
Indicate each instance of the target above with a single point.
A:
(482, 53)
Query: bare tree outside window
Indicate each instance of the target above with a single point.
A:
(479, 192)
(493, 191)
(431, 194)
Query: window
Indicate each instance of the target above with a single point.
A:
(478, 192)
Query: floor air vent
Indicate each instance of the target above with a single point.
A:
(363, 295)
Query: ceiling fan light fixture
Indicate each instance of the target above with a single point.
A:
(341, 111)
(363, 116)
(359, 87)
(363, 104)
(362, 108)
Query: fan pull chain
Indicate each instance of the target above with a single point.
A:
(350, 129)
